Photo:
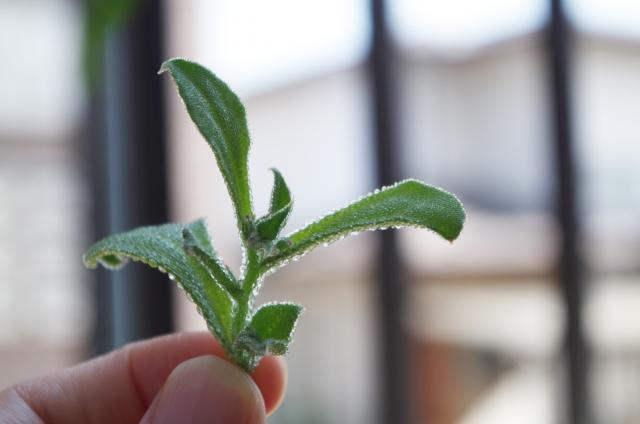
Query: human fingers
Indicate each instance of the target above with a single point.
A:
(118, 387)
(207, 390)
(271, 377)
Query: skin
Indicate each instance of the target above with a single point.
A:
(176, 378)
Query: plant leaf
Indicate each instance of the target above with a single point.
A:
(221, 119)
(271, 329)
(280, 194)
(406, 204)
(280, 206)
(197, 236)
(162, 247)
(248, 340)
(197, 243)
(269, 226)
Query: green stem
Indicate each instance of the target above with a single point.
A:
(249, 284)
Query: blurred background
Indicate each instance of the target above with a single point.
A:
(92, 142)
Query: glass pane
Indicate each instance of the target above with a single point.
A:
(484, 314)
(463, 24)
(45, 308)
(607, 88)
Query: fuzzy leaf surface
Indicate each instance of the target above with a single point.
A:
(280, 194)
(271, 329)
(198, 244)
(269, 226)
(280, 206)
(220, 116)
(406, 204)
(162, 247)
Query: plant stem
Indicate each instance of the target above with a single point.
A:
(249, 282)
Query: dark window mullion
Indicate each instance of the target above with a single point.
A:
(393, 341)
(128, 169)
(571, 269)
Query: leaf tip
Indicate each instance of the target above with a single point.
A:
(89, 262)
(166, 65)
(275, 171)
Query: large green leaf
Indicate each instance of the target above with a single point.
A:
(162, 247)
(220, 117)
(406, 204)
(271, 329)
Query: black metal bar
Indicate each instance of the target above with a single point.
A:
(571, 270)
(393, 341)
(95, 150)
(150, 168)
(130, 187)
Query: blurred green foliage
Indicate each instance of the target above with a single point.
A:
(100, 16)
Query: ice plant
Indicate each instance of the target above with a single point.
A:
(186, 253)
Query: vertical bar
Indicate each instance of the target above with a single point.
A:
(571, 270)
(151, 294)
(118, 163)
(394, 345)
(102, 337)
(128, 144)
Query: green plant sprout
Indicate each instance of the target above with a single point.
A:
(186, 252)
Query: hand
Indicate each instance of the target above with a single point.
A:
(179, 378)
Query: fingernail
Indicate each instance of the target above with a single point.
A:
(207, 390)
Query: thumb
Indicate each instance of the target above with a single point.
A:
(207, 390)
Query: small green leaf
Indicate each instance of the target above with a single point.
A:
(280, 195)
(406, 204)
(280, 206)
(283, 243)
(276, 320)
(269, 226)
(220, 117)
(196, 236)
(198, 244)
(162, 247)
(271, 329)
(249, 340)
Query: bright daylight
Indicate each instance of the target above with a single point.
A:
(320, 211)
